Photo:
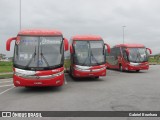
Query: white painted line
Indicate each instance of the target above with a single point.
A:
(6, 81)
(65, 80)
(6, 85)
(7, 90)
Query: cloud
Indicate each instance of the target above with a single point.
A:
(100, 17)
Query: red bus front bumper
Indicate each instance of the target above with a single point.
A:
(53, 77)
(92, 72)
(142, 66)
(56, 81)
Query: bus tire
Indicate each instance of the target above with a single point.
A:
(28, 87)
(137, 70)
(96, 77)
(71, 74)
(120, 68)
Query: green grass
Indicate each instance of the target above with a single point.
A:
(6, 76)
(67, 64)
(154, 60)
(5, 67)
(2, 63)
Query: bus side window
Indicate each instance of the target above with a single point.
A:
(117, 53)
(114, 53)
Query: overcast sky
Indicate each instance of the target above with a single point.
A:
(97, 17)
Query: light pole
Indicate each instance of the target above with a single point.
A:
(123, 33)
(20, 14)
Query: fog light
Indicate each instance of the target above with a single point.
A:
(18, 82)
(77, 75)
(58, 81)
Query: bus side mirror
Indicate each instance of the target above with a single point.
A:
(8, 43)
(127, 51)
(66, 44)
(150, 51)
(108, 48)
(71, 49)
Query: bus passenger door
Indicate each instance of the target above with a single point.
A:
(112, 58)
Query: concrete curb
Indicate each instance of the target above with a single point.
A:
(6, 73)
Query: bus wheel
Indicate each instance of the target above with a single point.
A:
(137, 70)
(97, 77)
(120, 68)
(28, 87)
(70, 73)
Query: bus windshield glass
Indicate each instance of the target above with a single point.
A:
(38, 52)
(89, 53)
(137, 55)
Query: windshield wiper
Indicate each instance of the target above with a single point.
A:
(138, 54)
(94, 58)
(84, 61)
(33, 56)
(42, 56)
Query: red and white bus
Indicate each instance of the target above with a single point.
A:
(128, 57)
(38, 58)
(88, 56)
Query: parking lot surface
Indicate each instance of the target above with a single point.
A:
(118, 91)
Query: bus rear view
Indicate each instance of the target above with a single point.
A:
(38, 58)
(130, 57)
(88, 56)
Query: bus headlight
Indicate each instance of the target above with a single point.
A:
(82, 68)
(58, 74)
(133, 64)
(20, 72)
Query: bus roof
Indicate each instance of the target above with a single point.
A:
(40, 32)
(86, 37)
(130, 45)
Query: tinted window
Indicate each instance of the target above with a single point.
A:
(39, 51)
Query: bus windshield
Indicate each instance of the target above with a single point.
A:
(137, 55)
(89, 53)
(34, 52)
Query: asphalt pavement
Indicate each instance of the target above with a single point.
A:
(118, 91)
